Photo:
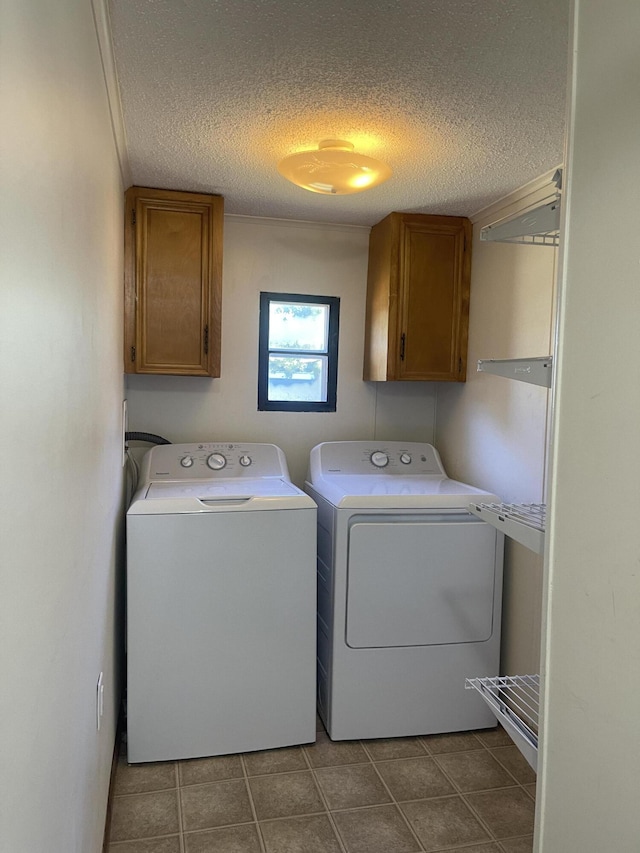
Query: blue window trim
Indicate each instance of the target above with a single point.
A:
(266, 405)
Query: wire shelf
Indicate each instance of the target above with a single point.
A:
(550, 239)
(523, 522)
(515, 700)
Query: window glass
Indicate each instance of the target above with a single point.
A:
(298, 326)
(298, 352)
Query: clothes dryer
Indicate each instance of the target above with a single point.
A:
(409, 592)
(221, 604)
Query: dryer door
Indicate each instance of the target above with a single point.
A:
(422, 582)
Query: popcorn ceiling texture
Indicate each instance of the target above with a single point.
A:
(464, 99)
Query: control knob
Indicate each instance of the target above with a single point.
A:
(379, 459)
(245, 461)
(216, 461)
(405, 458)
(186, 461)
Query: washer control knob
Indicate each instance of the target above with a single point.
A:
(216, 461)
(379, 459)
(245, 461)
(405, 458)
(186, 461)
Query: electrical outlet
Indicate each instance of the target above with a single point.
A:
(125, 429)
(99, 701)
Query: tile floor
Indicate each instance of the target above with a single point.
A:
(470, 792)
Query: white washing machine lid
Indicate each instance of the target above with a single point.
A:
(219, 495)
(390, 491)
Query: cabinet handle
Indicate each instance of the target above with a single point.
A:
(402, 342)
(206, 340)
(133, 353)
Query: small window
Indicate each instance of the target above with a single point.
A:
(298, 353)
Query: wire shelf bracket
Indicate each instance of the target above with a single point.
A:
(537, 226)
(536, 371)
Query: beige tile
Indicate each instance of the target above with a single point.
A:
(275, 761)
(476, 848)
(229, 839)
(285, 795)
(445, 822)
(474, 771)
(378, 830)
(300, 835)
(196, 771)
(511, 758)
(327, 753)
(215, 804)
(170, 844)
(495, 737)
(144, 815)
(143, 778)
(456, 742)
(507, 812)
(414, 779)
(518, 845)
(531, 790)
(397, 747)
(352, 786)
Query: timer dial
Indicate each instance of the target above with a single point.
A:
(216, 461)
(379, 459)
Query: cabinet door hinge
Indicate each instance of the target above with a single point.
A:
(402, 343)
(133, 353)
(133, 217)
(206, 340)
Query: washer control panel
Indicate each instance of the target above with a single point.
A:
(213, 459)
(385, 457)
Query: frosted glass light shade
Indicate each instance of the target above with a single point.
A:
(334, 169)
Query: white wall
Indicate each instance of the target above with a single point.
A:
(61, 474)
(492, 431)
(290, 257)
(590, 777)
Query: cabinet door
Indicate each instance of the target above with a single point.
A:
(434, 298)
(173, 287)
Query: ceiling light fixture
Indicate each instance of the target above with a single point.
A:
(334, 169)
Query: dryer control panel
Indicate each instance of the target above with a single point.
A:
(375, 457)
(210, 460)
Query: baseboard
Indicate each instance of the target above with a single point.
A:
(112, 781)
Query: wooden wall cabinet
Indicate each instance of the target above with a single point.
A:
(417, 319)
(173, 282)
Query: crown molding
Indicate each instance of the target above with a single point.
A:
(105, 44)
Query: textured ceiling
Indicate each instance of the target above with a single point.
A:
(464, 99)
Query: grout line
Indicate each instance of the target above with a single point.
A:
(513, 776)
(245, 775)
(461, 796)
(180, 817)
(478, 817)
(395, 802)
(334, 826)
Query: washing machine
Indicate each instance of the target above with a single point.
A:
(409, 592)
(221, 604)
